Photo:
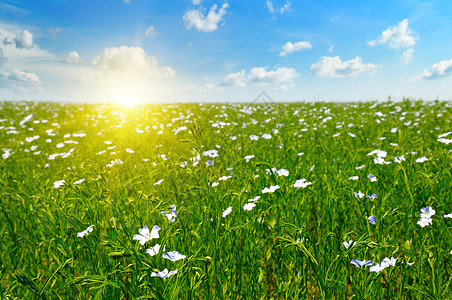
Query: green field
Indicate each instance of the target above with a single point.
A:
(65, 167)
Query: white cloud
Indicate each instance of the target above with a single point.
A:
(126, 1)
(3, 59)
(290, 47)
(17, 75)
(24, 40)
(407, 56)
(196, 2)
(72, 58)
(151, 32)
(439, 70)
(54, 32)
(195, 18)
(131, 60)
(280, 10)
(260, 75)
(330, 49)
(398, 37)
(329, 66)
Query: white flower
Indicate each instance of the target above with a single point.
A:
(354, 178)
(266, 136)
(211, 153)
(227, 211)
(282, 172)
(214, 184)
(59, 183)
(301, 183)
(348, 244)
(424, 222)
(79, 181)
(210, 162)
(360, 167)
(171, 216)
(361, 263)
(427, 212)
(399, 159)
(254, 137)
(272, 189)
(128, 150)
(86, 231)
(224, 178)
(163, 274)
(372, 177)
(144, 235)
(359, 194)
(448, 216)
(248, 157)
(173, 256)
(154, 250)
(254, 199)
(248, 206)
(421, 159)
(158, 182)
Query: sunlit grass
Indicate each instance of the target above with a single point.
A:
(126, 166)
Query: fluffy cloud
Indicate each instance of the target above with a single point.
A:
(131, 60)
(72, 58)
(151, 32)
(290, 47)
(334, 67)
(20, 76)
(24, 40)
(3, 59)
(398, 37)
(195, 18)
(280, 10)
(407, 56)
(439, 70)
(196, 2)
(260, 75)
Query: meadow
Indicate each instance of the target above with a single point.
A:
(226, 201)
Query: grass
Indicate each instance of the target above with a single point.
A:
(289, 246)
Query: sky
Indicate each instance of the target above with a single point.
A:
(157, 51)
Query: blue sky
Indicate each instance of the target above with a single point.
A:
(228, 51)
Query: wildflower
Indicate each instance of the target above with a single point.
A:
(128, 150)
(354, 178)
(248, 206)
(427, 212)
(448, 216)
(154, 250)
(272, 189)
(224, 177)
(373, 196)
(359, 194)
(227, 211)
(59, 183)
(301, 183)
(361, 263)
(421, 159)
(312, 168)
(424, 222)
(399, 159)
(348, 244)
(248, 157)
(163, 274)
(360, 167)
(372, 177)
(210, 162)
(144, 235)
(254, 199)
(266, 136)
(282, 172)
(211, 153)
(158, 182)
(79, 181)
(173, 256)
(171, 216)
(86, 231)
(254, 137)
(372, 220)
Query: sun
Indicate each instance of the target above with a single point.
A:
(127, 99)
